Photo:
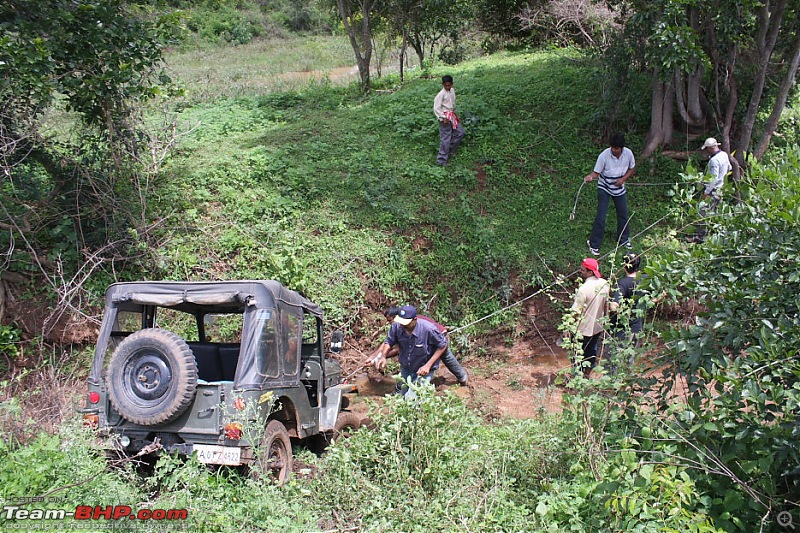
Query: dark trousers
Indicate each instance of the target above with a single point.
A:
(623, 339)
(449, 360)
(589, 361)
(707, 208)
(599, 226)
(449, 140)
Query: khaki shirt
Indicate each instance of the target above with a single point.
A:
(591, 302)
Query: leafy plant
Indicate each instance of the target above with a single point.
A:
(739, 359)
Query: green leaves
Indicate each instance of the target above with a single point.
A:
(740, 361)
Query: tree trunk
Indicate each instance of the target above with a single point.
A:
(356, 31)
(694, 87)
(769, 25)
(727, 124)
(694, 96)
(403, 49)
(780, 100)
(660, 115)
(366, 37)
(418, 44)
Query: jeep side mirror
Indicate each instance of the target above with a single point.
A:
(337, 338)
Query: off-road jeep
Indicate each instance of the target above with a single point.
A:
(228, 371)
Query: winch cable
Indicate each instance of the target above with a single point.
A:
(656, 184)
(557, 282)
(575, 205)
(550, 286)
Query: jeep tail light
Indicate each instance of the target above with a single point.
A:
(91, 421)
(233, 431)
(94, 397)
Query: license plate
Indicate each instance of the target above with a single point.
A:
(218, 455)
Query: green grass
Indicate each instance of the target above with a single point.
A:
(262, 67)
(332, 192)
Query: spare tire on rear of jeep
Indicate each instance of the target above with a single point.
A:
(152, 377)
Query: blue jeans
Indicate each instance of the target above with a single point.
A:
(405, 374)
(449, 360)
(449, 140)
(599, 226)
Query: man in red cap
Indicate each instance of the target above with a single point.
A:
(590, 305)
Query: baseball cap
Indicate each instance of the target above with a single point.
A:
(591, 264)
(711, 141)
(406, 315)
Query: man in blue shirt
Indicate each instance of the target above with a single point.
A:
(421, 346)
(449, 360)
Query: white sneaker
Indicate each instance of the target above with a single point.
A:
(593, 251)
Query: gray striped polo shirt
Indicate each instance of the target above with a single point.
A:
(612, 168)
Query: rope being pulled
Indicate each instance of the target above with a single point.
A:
(546, 288)
(575, 205)
(578, 194)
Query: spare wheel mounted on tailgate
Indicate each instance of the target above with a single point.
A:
(152, 377)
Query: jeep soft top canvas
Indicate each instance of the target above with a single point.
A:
(202, 298)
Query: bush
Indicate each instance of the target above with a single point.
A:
(739, 359)
(431, 464)
(67, 466)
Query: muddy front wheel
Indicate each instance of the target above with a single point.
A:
(274, 455)
(346, 424)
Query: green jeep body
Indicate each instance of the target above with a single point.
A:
(160, 381)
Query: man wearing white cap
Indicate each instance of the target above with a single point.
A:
(719, 166)
(421, 347)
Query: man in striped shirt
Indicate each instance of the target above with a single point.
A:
(614, 166)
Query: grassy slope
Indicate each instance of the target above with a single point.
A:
(260, 67)
(334, 193)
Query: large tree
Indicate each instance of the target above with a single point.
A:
(64, 193)
(715, 66)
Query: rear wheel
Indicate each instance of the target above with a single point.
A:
(274, 455)
(152, 377)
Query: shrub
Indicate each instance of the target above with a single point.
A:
(431, 464)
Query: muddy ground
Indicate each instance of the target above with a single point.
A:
(512, 372)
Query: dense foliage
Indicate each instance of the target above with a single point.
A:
(73, 189)
(335, 193)
(428, 465)
(739, 362)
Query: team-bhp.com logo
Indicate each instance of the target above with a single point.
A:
(93, 512)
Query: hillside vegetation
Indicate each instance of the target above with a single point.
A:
(336, 194)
